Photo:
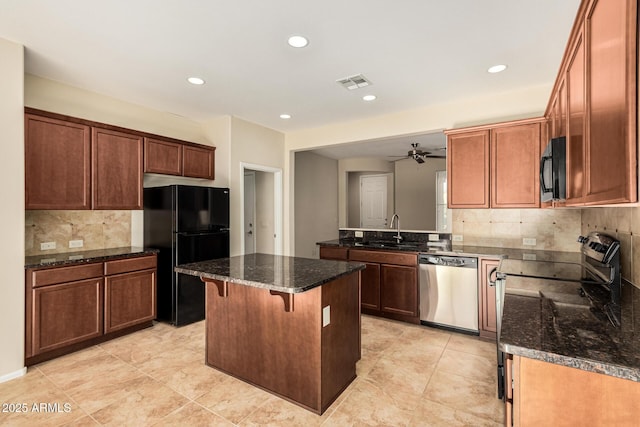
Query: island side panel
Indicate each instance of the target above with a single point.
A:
(341, 337)
(252, 337)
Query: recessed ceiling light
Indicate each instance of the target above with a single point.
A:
(285, 116)
(369, 97)
(298, 41)
(497, 68)
(195, 80)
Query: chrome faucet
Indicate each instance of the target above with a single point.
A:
(398, 237)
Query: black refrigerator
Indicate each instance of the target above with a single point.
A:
(186, 224)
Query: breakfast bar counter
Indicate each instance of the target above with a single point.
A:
(288, 325)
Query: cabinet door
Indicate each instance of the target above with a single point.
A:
(117, 172)
(57, 164)
(163, 157)
(488, 325)
(610, 158)
(468, 170)
(515, 166)
(370, 287)
(399, 290)
(66, 314)
(576, 105)
(198, 162)
(130, 299)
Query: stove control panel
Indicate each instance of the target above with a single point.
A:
(599, 247)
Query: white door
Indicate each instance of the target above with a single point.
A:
(249, 212)
(373, 201)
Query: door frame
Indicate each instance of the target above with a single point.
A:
(277, 204)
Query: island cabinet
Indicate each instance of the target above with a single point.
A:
(389, 284)
(596, 90)
(170, 157)
(495, 166)
(544, 394)
(74, 306)
(487, 300)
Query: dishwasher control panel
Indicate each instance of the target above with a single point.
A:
(449, 261)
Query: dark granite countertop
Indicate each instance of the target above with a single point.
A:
(548, 320)
(70, 258)
(465, 250)
(273, 272)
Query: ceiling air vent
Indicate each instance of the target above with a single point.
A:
(354, 82)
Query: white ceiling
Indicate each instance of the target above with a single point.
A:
(415, 52)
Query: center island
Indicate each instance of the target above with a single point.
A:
(288, 325)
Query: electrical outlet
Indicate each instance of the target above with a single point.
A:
(76, 243)
(47, 246)
(359, 234)
(457, 237)
(434, 237)
(326, 316)
(528, 241)
(529, 257)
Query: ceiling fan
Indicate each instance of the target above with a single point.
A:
(418, 155)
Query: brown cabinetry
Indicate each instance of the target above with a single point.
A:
(389, 284)
(57, 164)
(116, 170)
(544, 394)
(335, 253)
(596, 91)
(71, 307)
(177, 158)
(495, 166)
(487, 292)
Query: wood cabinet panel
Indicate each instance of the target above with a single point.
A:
(66, 314)
(468, 170)
(515, 166)
(340, 254)
(129, 299)
(57, 164)
(381, 257)
(129, 264)
(399, 290)
(370, 287)
(164, 157)
(117, 173)
(198, 162)
(51, 276)
(575, 132)
(610, 155)
(488, 325)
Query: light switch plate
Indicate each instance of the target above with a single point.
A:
(529, 241)
(434, 237)
(47, 246)
(457, 237)
(76, 243)
(326, 315)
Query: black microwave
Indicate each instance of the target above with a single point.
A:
(553, 166)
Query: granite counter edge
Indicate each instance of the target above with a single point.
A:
(90, 259)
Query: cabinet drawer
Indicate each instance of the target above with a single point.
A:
(380, 257)
(51, 276)
(333, 253)
(129, 264)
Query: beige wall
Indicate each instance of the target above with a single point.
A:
(623, 224)
(553, 229)
(12, 212)
(416, 193)
(255, 145)
(316, 202)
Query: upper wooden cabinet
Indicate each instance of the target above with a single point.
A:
(597, 83)
(57, 164)
(495, 166)
(116, 170)
(72, 163)
(176, 158)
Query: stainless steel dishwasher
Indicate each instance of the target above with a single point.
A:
(449, 292)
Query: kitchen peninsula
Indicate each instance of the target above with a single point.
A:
(288, 325)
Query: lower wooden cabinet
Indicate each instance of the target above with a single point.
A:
(487, 300)
(545, 394)
(72, 307)
(370, 287)
(399, 290)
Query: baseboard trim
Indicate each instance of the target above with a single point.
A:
(12, 375)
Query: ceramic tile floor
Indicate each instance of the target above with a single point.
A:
(408, 376)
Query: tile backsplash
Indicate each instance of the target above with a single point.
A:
(97, 229)
(552, 229)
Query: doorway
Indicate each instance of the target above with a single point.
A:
(261, 225)
(373, 201)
